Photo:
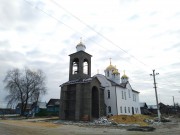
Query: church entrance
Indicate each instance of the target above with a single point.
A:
(95, 102)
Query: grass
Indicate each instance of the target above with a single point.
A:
(133, 119)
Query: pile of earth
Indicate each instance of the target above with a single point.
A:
(142, 120)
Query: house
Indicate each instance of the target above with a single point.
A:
(37, 107)
(28, 108)
(53, 106)
(144, 108)
(152, 109)
(4, 111)
(84, 97)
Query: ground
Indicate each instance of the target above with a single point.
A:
(34, 127)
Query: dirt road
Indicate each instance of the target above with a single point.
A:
(18, 127)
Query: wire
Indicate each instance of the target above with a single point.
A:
(53, 17)
(91, 28)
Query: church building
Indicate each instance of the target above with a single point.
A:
(84, 97)
(119, 97)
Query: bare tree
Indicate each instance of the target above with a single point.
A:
(24, 86)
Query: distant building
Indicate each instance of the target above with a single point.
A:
(144, 108)
(28, 108)
(4, 111)
(53, 107)
(36, 107)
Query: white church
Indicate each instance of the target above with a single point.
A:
(85, 97)
(119, 97)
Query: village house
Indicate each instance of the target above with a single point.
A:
(53, 106)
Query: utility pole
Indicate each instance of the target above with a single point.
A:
(158, 109)
(173, 102)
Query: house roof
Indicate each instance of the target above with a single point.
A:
(41, 105)
(152, 106)
(53, 102)
(143, 104)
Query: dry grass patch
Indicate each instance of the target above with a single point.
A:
(133, 119)
(28, 123)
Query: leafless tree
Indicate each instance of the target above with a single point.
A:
(24, 86)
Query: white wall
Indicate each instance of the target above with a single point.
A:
(116, 101)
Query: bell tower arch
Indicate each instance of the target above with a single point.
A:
(80, 63)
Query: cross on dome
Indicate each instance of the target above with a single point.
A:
(80, 46)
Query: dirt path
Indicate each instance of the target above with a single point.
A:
(18, 127)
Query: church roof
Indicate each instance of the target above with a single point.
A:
(123, 85)
(116, 71)
(125, 76)
(78, 81)
(111, 67)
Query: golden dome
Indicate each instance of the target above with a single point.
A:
(125, 76)
(116, 71)
(111, 67)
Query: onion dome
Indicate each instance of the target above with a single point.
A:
(125, 76)
(115, 72)
(80, 46)
(111, 67)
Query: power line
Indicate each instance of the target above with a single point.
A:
(91, 28)
(55, 18)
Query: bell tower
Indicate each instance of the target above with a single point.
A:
(80, 63)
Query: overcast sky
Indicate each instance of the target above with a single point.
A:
(139, 35)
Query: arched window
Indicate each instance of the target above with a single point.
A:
(121, 109)
(107, 73)
(109, 94)
(85, 67)
(75, 66)
(129, 109)
(109, 109)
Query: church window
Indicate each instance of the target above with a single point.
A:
(107, 73)
(109, 94)
(75, 66)
(122, 94)
(121, 109)
(129, 93)
(129, 109)
(134, 97)
(125, 109)
(125, 95)
(85, 67)
(109, 109)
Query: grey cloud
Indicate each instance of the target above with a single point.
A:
(13, 13)
(4, 44)
(173, 47)
(153, 13)
(133, 17)
(11, 56)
